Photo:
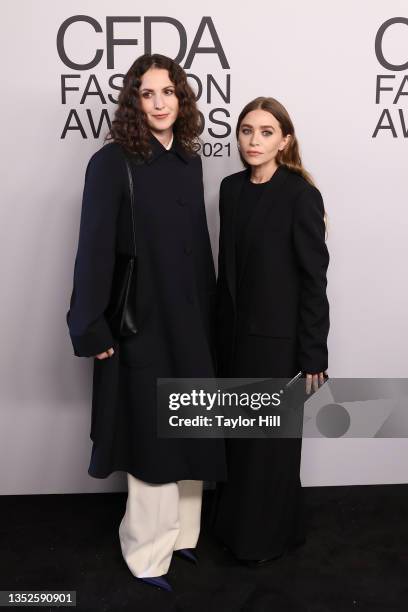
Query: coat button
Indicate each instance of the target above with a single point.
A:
(188, 250)
(181, 202)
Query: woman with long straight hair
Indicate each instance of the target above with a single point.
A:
(157, 123)
(272, 321)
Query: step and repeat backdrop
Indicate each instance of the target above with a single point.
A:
(340, 68)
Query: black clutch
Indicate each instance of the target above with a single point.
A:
(121, 311)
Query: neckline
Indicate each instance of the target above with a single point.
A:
(265, 182)
(158, 149)
(168, 146)
(258, 184)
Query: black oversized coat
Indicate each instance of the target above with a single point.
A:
(281, 290)
(272, 321)
(175, 299)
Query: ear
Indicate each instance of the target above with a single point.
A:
(284, 142)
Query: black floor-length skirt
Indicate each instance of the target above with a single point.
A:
(259, 511)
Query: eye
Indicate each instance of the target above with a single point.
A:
(169, 92)
(267, 133)
(245, 130)
(146, 94)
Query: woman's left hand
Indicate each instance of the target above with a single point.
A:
(315, 381)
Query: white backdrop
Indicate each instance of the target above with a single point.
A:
(316, 57)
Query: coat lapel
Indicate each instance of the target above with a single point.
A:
(269, 195)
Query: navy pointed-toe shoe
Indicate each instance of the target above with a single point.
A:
(187, 554)
(159, 581)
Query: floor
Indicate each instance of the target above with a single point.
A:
(355, 557)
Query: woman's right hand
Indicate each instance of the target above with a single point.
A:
(105, 354)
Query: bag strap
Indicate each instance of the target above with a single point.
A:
(132, 197)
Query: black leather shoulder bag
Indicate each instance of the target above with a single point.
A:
(121, 311)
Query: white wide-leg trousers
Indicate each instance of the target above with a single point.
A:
(159, 519)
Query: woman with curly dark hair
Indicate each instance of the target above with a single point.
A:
(156, 123)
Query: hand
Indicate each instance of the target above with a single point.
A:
(105, 354)
(315, 381)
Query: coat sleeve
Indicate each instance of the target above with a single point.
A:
(313, 259)
(95, 257)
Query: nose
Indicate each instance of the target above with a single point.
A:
(253, 140)
(158, 102)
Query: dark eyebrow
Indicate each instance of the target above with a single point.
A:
(152, 90)
(263, 127)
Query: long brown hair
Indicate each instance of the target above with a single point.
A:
(290, 156)
(129, 126)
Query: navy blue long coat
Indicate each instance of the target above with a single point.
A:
(175, 299)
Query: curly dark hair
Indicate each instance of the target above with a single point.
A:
(129, 126)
